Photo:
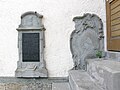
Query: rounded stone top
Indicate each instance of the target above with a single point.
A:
(31, 20)
(31, 13)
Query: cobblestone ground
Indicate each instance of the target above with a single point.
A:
(27, 84)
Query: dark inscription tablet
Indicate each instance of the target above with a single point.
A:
(30, 47)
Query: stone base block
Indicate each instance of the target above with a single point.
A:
(80, 80)
(105, 73)
(31, 73)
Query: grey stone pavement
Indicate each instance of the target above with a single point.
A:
(11, 83)
(61, 86)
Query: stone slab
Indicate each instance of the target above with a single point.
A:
(86, 39)
(30, 47)
(60, 86)
(113, 55)
(80, 80)
(105, 73)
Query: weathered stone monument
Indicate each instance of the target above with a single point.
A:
(31, 44)
(86, 39)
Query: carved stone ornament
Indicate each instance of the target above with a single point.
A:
(86, 39)
(31, 46)
(31, 20)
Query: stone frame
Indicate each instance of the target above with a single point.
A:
(31, 69)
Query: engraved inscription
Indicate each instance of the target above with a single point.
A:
(30, 47)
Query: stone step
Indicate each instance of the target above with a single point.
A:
(105, 73)
(61, 86)
(80, 80)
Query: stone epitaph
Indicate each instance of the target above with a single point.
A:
(86, 39)
(31, 46)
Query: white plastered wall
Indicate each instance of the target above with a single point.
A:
(58, 15)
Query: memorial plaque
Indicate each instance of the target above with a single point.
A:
(30, 47)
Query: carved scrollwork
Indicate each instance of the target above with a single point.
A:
(86, 39)
(31, 20)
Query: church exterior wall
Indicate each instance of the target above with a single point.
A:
(57, 19)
